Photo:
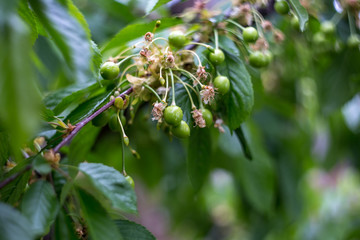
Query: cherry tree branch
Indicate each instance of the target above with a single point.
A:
(82, 123)
(13, 177)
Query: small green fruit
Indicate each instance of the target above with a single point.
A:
(281, 7)
(182, 130)
(208, 117)
(295, 23)
(222, 84)
(130, 181)
(250, 35)
(257, 59)
(353, 41)
(319, 38)
(119, 103)
(114, 122)
(101, 120)
(327, 27)
(177, 39)
(173, 115)
(217, 57)
(109, 70)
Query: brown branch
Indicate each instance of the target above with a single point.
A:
(13, 177)
(82, 123)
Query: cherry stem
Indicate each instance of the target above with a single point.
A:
(172, 86)
(216, 39)
(193, 53)
(128, 57)
(187, 90)
(82, 123)
(236, 24)
(167, 86)
(152, 90)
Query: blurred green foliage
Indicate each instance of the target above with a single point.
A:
(303, 131)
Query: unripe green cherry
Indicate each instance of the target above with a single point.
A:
(119, 103)
(281, 7)
(250, 34)
(353, 41)
(114, 124)
(268, 57)
(295, 22)
(319, 38)
(130, 181)
(222, 84)
(102, 119)
(182, 130)
(207, 115)
(109, 70)
(327, 27)
(177, 39)
(257, 59)
(173, 115)
(217, 57)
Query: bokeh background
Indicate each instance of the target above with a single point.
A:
(304, 134)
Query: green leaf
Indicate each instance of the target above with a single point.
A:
(12, 192)
(74, 11)
(111, 184)
(28, 16)
(60, 100)
(6, 10)
(199, 157)
(82, 143)
(228, 45)
(18, 93)
(40, 206)
(64, 227)
(41, 165)
(300, 12)
(133, 231)
(13, 225)
(89, 107)
(154, 4)
(240, 99)
(137, 30)
(244, 143)
(68, 35)
(257, 177)
(100, 225)
(4, 151)
(96, 60)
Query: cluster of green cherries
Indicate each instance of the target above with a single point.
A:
(327, 28)
(257, 59)
(172, 115)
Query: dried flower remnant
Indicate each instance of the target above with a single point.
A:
(145, 52)
(267, 25)
(260, 45)
(218, 125)
(149, 36)
(158, 110)
(201, 73)
(246, 16)
(278, 36)
(207, 94)
(198, 118)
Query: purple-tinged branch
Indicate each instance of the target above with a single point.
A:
(82, 123)
(13, 177)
